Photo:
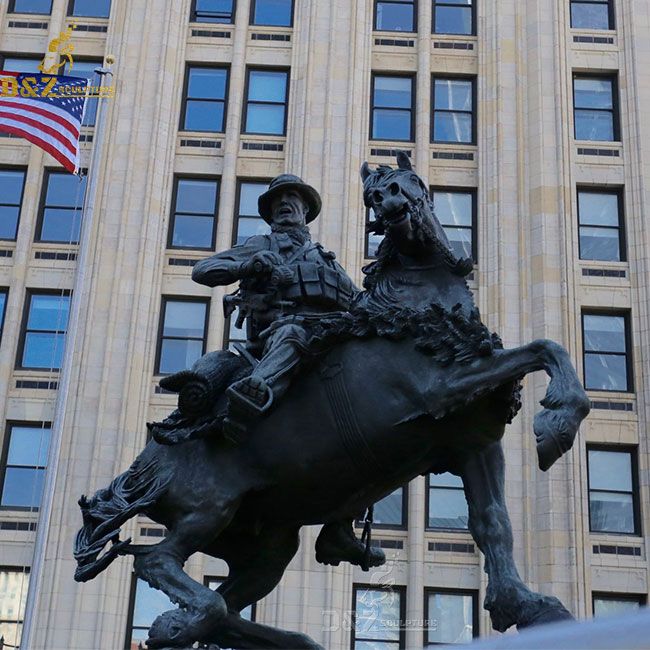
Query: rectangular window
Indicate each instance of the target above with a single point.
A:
(450, 617)
(3, 309)
(86, 70)
(453, 110)
(395, 15)
(184, 325)
(391, 511)
(595, 111)
(194, 215)
(266, 102)
(14, 583)
(234, 334)
(616, 604)
(24, 465)
(12, 185)
(447, 506)
(453, 17)
(90, 9)
(204, 102)
(43, 7)
(247, 219)
(213, 11)
(606, 348)
(43, 332)
(600, 218)
(392, 108)
(378, 618)
(613, 490)
(456, 211)
(20, 64)
(592, 14)
(275, 13)
(147, 604)
(61, 207)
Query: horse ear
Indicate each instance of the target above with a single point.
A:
(403, 161)
(365, 171)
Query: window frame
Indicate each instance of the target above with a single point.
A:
(11, 9)
(473, 593)
(4, 456)
(20, 570)
(18, 55)
(14, 168)
(629, 358)
(173, 213)
(359, 522)
(413, 3)
(3, 311)
(615, 110)
(402, 75)
(641, 599)
(71, 4)
(165, 298)
(241, 180)
(184, 98)
(454, 77)
(29, 293)
(443, 3)
(632, 450)
(473, 191)
(251, 22)
(193, 17)
(611, 15)
(622, 239)
(45, 183)
(433, 529)
(262, 68)
(401, 590)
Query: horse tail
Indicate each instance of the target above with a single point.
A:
(129, 494)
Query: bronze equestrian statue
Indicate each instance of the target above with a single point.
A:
(405, 382)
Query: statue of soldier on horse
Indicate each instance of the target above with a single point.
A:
(339, 397)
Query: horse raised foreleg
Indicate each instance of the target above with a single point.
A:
(565, 403)
(507, 599)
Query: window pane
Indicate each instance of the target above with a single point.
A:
(604, 333)
(8, 222)
(594, 125)
(11, 187)
(453, 94)
(394, 16)
(149, 603)
(43, 350)
(589, 16)
(453, 208)
(65, 190)
(192, 232)
(393, 92)
(14, 585)
(388, 511)
(61, 225)
(207, 83)
(49, 313)
(28, 446)
(452, 127)
(593, 92)
(272, 12)
(391, 125)
(20, 65)
(203, 116)
(92, 8)
(32, 7)
(251, 226)
(447, 479)
(196, 196)
(453, 20)
(447, 508)
(214, 11)
(176, 355)
(599, 244)
(611, 512)
(265, 119)
(460, 240)
(450, 618)
(185, 319)
(249, 193)
(3, 302)
(373, 244)
(23, 487)
(611, 606)
(605, 372)
(598, 208)
(610, 470)
(267, 86)
(377, 615)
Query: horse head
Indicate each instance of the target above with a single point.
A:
(404, 213)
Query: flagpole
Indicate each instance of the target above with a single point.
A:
(81, 284)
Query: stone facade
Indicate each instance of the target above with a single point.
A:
(529, 279)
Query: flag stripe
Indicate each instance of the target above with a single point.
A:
(18, 115)
(35, 126)
(52, 112)
(69, 164)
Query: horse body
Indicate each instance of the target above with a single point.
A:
(415, 384)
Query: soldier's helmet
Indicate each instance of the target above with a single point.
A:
(289, 182)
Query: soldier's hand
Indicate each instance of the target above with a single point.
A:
(261, 264)
(282, 275)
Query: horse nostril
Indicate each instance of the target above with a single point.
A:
(394, 189)
(377, 196)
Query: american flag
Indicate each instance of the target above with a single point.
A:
(46, 110)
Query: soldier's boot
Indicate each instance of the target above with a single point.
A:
(337, 543)
(248, 399)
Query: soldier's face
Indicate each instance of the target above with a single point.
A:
(289, 209)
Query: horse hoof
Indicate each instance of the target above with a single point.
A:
(551, 611)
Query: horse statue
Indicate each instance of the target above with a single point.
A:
(409, 381)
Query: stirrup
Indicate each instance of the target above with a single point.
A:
(243, 404)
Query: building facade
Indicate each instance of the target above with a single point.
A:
(527, 119)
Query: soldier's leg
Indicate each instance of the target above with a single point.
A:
(338, 543)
